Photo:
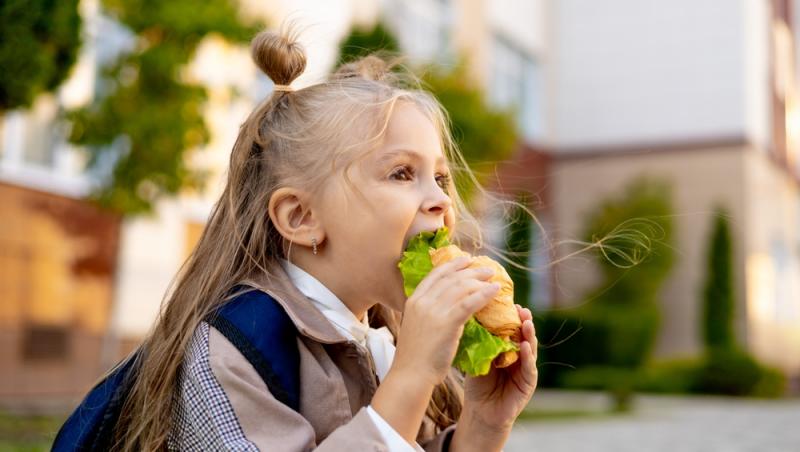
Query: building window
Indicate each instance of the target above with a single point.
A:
(423, 29)
(515, 84)
(45, 343)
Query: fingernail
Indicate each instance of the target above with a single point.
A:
(493, 287)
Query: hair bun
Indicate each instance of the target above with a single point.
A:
(278, 55)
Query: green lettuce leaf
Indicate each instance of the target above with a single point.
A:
(477, 347)
(416, 262)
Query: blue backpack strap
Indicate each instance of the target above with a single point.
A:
(91, 425)
(265, 335)
(253, 322)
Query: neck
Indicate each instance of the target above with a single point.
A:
(331, 278)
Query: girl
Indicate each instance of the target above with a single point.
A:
(326, 186)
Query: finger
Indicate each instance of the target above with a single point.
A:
(455, 292)
(463, 280)
(528, 332)
(481, 273)
(474, 302)
(529, 335)
(464, 276)
(524, 313)
(528, 370)
(440, 271)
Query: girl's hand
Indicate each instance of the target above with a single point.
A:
(434, 317)
(492, 402)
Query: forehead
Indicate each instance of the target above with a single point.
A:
(411, 132)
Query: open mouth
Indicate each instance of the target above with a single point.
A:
(411, 236)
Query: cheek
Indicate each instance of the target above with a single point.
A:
(450, 220)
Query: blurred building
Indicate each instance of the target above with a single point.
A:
(703, 95)
(700, 93)
(58, 253)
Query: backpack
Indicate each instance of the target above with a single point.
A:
(253, 322)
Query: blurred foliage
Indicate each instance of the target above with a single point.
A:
(718, 302)
(39, 43)
(619, 382)
(728, 371)
(484, 135)
(724, 372)
(634, 235)
(150, 119)
(617, 324)
(726, 368)
(518, 248)
(363, 41)
(24, 432)
(677, 376)
(614, 335)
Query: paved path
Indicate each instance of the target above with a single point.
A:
(661, 423)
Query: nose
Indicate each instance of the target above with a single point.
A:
(436, 201)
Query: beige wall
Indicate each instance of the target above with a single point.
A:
(57, 257)
(773, 263)
(700, 179)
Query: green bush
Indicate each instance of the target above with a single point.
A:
(772, 383)
(518, 246)
(677, 376)
(594, 335)
(617, 324)
(618, 381)
(728, 371)
(718, 300)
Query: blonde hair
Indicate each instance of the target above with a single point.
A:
(290, 139)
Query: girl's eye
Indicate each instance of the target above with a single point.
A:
(406, 173)
(444, 181)
(403, 173)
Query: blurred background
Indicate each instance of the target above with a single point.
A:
(671, 127)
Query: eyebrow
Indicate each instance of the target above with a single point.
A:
(410, 153)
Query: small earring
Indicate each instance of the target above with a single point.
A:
(314, 245)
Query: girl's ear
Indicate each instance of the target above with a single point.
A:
(290, 212)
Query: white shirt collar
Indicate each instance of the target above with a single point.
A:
(379, 342)
(328, 303)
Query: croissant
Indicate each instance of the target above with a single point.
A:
(499, 316)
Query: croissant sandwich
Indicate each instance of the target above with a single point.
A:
(492, 336)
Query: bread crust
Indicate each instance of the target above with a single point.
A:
(499, 316)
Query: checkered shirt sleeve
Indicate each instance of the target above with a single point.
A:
(203, 418)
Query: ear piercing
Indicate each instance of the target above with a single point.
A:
(314, 245)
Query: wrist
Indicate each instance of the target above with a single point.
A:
(401, 400)
(477, 418)
(473, 433)
(410, 370)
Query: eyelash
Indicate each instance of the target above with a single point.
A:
(442, 179)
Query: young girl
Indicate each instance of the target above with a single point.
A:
(326, 186)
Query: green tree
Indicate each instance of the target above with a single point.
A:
(611, 334)
(633, 234)
(518, 247)
(151, 118)
(362, 41)
(39, 42)
(718, 300)
(485, 135)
